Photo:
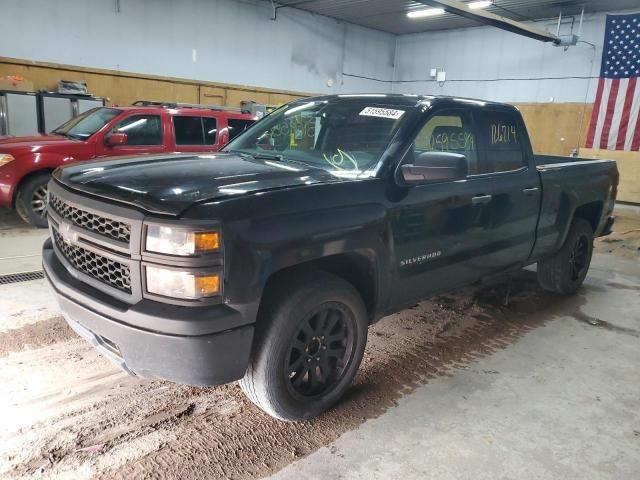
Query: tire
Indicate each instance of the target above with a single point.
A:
(295, 371)
(565, 271)
(31, 200)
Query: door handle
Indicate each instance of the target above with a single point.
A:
(530, 190)
(481, 199)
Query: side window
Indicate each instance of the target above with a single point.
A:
(501, 140)
(194, 130)
(188, 130)
(237, 126)
(449, 131)
(141, 129)
(210, 126)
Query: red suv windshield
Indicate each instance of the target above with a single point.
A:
(87, 123)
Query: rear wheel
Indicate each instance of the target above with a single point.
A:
(565, 271)
(31, 200)
(308, 347)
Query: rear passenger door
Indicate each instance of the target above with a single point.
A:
(194, 133)
(512, 188)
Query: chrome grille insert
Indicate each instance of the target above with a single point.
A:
(106, 270)
(90, 221)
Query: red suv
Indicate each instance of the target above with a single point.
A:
(26, 163)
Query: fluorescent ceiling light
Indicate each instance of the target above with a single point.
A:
(429, 12)
(480, 4)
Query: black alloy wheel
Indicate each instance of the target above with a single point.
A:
(578, 258)
(564, 271)
(320, 351)
(308, 344)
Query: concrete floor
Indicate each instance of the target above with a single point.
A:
(562, 402)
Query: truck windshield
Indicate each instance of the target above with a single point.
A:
(87, 123)
(345, 136)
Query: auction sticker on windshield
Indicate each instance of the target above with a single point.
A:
(382, 112)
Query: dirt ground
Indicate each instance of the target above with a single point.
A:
(66, 412)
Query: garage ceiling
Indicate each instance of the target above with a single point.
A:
(391, 15)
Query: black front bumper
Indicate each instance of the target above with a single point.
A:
(191, 345)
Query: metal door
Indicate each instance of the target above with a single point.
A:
(19, 114)
(55, 111)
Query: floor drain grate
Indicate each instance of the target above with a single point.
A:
(21, 277)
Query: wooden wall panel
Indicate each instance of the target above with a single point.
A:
(123, 88)
(212, 95)
(234, 97)
(629, 168)
(556, 128)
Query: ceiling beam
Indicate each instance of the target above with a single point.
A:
(459, 8)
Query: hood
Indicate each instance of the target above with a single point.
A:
(8, 144)
(170, 184)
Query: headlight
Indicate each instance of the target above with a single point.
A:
(178, 241)
(182, 284)
(5, 158)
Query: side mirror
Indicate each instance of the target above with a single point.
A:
(431, 167)
(116, 139)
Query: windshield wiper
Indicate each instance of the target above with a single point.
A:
(237, 152)
(65, 135)
(269, 156)
(273, 157)
(259, 156)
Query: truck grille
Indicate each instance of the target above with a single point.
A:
(110, 272)
(90, 221)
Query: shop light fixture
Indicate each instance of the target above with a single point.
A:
(480, 4)
(429, 12)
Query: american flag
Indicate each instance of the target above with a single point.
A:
(614, 122)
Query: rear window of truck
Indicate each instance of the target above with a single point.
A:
(501, 137)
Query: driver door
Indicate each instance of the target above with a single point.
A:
(145, 134)
(437, 233)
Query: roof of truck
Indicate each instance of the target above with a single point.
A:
(408, 99)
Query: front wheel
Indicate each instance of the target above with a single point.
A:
(31, 200)
(565, 271)
(308, 347)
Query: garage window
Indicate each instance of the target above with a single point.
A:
(190, 130)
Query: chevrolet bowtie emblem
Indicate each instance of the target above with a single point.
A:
(67, 235)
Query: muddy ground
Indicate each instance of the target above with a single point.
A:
(66, 412)
(625, 239)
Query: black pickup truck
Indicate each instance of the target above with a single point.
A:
(266, 263)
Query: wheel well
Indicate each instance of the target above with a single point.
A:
(28, 176)
(590, 212)
(356, 268)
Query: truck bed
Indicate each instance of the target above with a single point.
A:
(542, 160)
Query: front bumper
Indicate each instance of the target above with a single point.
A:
(7, 184)
(207, 345)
